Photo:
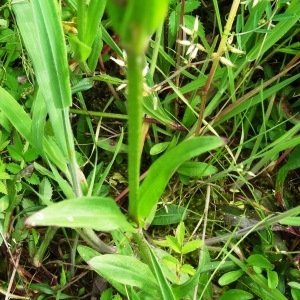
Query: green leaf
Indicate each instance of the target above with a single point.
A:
(162, 169)
(41, 29)
(158, 148)
(89, 15)
(4, 201)
(83, 85)
(196, 169)
(191, 246)
(126, 270)
(85, 212)
(185, 268)
(235, 294)
(230, 277)
(165, 288)
(290, 221)
(173, 243)
(272, 279)
(180, 232)
(258, 260)
(169, 214)
(294, 284)
(87, 253)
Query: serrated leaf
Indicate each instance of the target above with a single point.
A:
(188, 269)
(4, 175)
(191, 246)
(30, 155)
(173, 243)
(15, 153)
(45, 190)
(86, 212)
(230, 277)
(33, 179)
(13, 168)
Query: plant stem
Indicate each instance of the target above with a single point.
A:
(135, 109)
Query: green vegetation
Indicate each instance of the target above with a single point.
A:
(149, 149)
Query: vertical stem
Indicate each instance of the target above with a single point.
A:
(179, 50)
(135, 111)
(220, 51)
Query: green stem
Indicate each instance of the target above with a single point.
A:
(135, 110)
(39, 255)
(98, 114)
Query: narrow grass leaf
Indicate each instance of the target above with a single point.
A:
(165, 288)
(162, 169)
(286, 23)
(51, 63)
(23, 124)
(98, 213)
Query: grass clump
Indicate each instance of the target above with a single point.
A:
(160, 137)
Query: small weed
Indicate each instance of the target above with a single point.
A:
(149, 150)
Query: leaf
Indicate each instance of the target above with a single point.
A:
(277, 32)
(126, 270)
(230, 277)
(196, 169)
(83, 85)
(259, 261)
(162, 169)
(4, 201)
(185, 268)
(45, 190)
(87, 253)
(173, 243)
(169, 214)
(158, 148)
(272, 279)
(98, 213)
(180, 232)
(290, 221)
(191, 246)
(165, 288)
(235, 294)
